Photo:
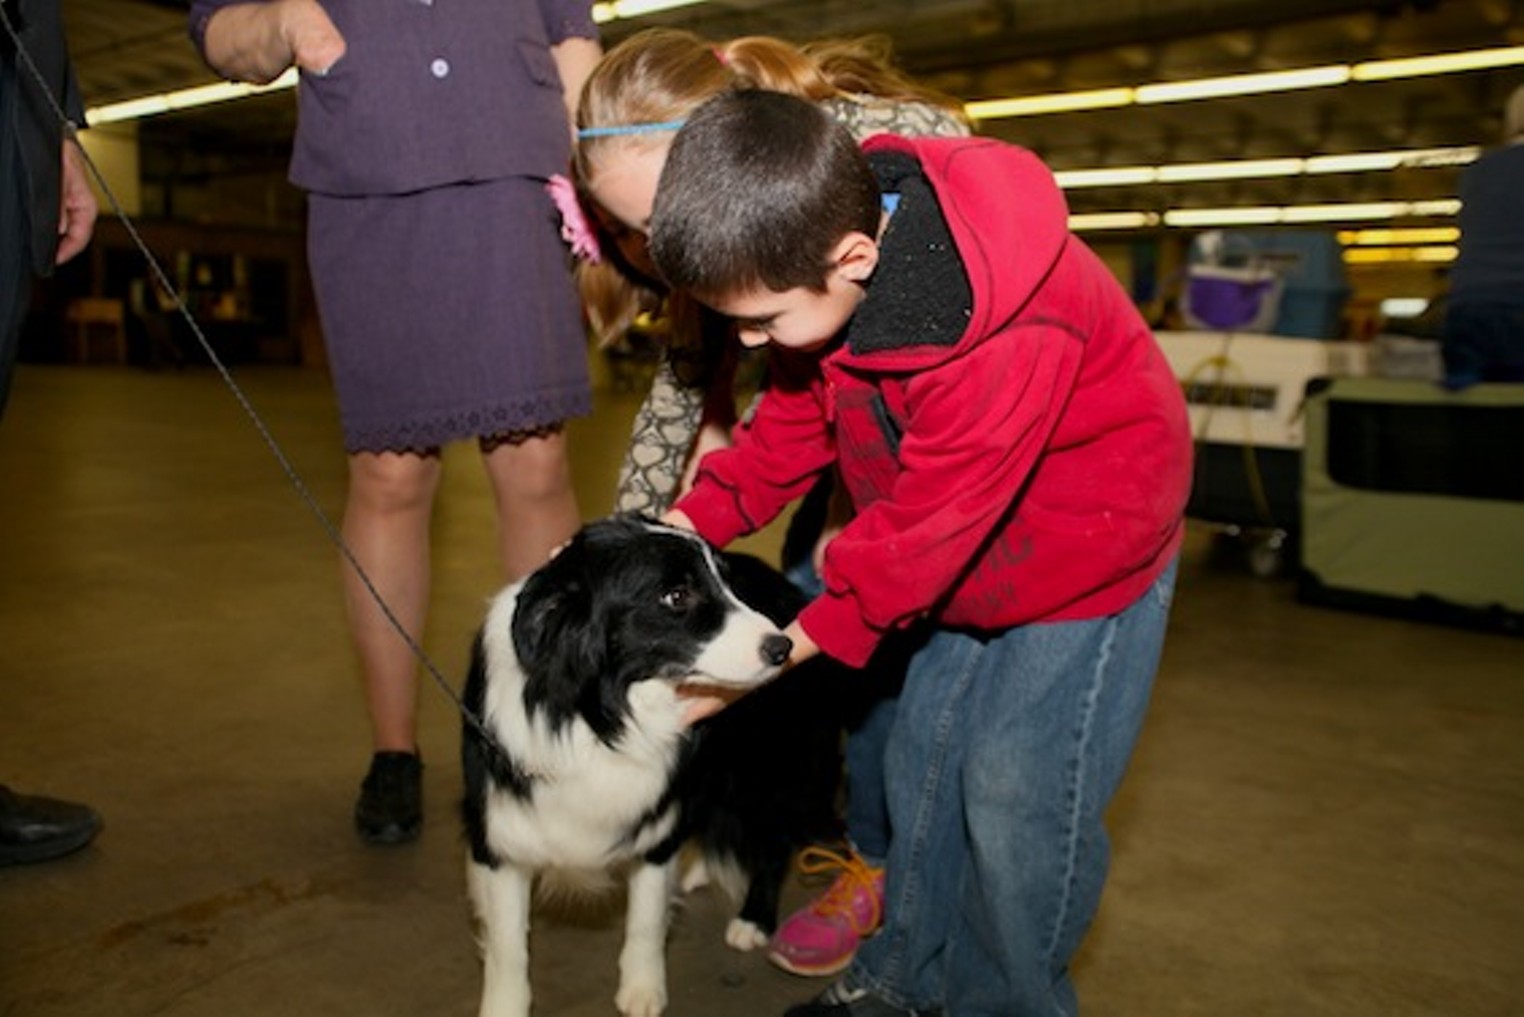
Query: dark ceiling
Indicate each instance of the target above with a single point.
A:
(987, 48)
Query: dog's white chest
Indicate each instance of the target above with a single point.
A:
(599, 814)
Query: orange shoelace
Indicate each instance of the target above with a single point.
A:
(855, 875)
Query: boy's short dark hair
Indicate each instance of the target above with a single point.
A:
(757, 189)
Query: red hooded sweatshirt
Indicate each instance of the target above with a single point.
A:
(1015, 444)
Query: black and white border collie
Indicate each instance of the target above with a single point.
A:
(577, 674)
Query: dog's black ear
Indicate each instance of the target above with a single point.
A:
(553, 634)
(551, 602)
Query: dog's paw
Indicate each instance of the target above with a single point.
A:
(743, 935)
(641, 1000)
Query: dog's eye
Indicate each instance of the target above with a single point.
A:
(677, 598)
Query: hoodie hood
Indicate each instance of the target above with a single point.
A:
(979, 226)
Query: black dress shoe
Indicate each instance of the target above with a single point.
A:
(34, 829)
(390, 809)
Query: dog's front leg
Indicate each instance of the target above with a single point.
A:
(643, 961)
(502, 897)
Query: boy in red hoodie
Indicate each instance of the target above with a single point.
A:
(1018, 454)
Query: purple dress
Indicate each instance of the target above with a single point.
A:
(447, 305)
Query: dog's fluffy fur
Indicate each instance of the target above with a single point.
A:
(576, 674)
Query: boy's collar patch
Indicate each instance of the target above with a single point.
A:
(919, 294)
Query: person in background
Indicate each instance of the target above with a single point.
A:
(1484, 322)
(1018, 455)
(47, 216)
(657, 77)
(426, 136)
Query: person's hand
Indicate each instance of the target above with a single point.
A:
(804, 646)
(316, 44)
(257, 42)
(678, 519)
(839, 512)
(77, 207)
(706, 701)
(828, 533)
(710, 438)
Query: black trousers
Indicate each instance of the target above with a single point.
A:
(15, 267)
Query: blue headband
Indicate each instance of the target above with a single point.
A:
(618, 129)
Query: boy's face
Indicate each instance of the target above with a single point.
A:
(796, 319)
(802, 318)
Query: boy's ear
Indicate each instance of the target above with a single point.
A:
(856, 256)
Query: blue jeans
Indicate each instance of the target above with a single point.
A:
(868, 722)
(866, 811)
(1006, 751)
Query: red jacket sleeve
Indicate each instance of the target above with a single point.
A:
(775, 459)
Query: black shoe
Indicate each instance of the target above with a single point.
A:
(35, 829)
(842, 999)
(390, 809)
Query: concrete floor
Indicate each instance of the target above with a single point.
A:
(1324, 816)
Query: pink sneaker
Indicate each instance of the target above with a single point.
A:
(821, 937)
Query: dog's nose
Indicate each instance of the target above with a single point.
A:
(775, 649)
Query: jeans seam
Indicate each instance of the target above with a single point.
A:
(894, 960)
(1077, 788)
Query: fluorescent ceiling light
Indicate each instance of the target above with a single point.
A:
(1347, 212)
(1359, 162)
(1057, 102)
(1388, 255)
(1243, 84)
(1407, 235)
(1237, 169)
(1437, 207)
(185, 98)
(1247, 84)
(1255, 216)
(1266, 215)
(1120, 176)
(1241, 169)
(616, 9)
(1436, 238)
(1415, 158)
(1404, 307)
(1112, 220)
(1441, 254)
(1444, 63)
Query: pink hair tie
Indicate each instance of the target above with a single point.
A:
(575, 228)
(721, 55)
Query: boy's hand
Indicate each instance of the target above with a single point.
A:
(706, 703)
(711, 438)
(672, 517)
(804, 646)
(709, 700)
